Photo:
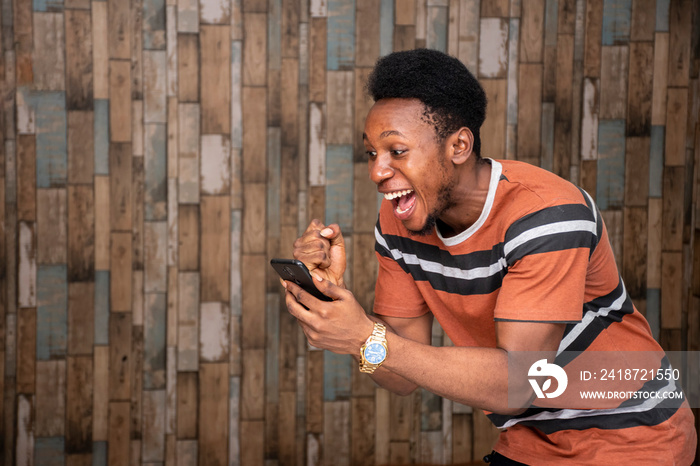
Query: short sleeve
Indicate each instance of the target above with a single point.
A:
(396, 293)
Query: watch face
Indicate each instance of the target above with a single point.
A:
(375, 353)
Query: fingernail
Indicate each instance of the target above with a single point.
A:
(317, 277)
(326, 232)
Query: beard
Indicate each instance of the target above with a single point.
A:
(445, 201)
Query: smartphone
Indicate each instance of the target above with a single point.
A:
(294, 270)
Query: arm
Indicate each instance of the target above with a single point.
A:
(474, 376)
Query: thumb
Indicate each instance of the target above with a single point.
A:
(333, 234)
(328, 288)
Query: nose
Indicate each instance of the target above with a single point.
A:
(380, 169)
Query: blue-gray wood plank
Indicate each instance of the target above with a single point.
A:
(656, 161)
(617, 20)
(154, 25)
(339, 185)
(610, 191)
(340, 46)
(155, 314)
(102, 307)
(51, 138)
(156, 172)
(52, 312)
(101, 135)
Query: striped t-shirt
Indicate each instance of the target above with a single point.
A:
(539, 252)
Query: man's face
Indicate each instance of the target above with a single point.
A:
(408, 163)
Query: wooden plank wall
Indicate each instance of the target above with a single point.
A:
(157, 153)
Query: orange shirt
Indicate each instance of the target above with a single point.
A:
(539, 252)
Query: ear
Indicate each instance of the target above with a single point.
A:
(461, 144)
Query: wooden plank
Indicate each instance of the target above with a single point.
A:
(339, 186)
(100, 395)
(215, 57)
(187, 407)
(154, 349)
(634, 261)
(79, 56)
(660, 79)
(495, 8)
(50, 398)
(154, 83)
(217, 12)
(119, 30)
(361, 106)
(81, 240)
(532, 32)
(640, 89)
(461, 438)
(680, 18)
(637, 169)
(654, 244)
(529, 112)
(611, 164)
(289, 107)
(673, 196)
(215, 172)
(613, 82)
(339, 105)
(188, 134)
(79, 404)
(215, 244)
(253, 301)
(26, 177)
(671, 290)
(119, 100)
(468, 33)
(26, 350)
(188, 16)
(593, 38)
(493, 51)
(367, 31)
(81, 318)
(25, 435)
(405, 12)
(188, 232)
(254, 218)
(120, 276)
(617, 19)
(643, 20)
(102, 222)
(120, 168)
(153, 19)
(493, 131)
(214, 332)
(485, 434)
(188, 67)
(676, 121)
(589, 120)
(49, 66)
(255, 49)
(51, 226)
(436, 33)
(153, 418)
(81, 148)
(213, 413)
(188, 322)
(118, 451)
(155, 174)
(100, 50)
(336, 429)
(254, 153)
(52, 312)
(317, 144)
(340, 46)
(51, 139)
(317, 59)
(120, 356)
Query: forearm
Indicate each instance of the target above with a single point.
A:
(476, 377)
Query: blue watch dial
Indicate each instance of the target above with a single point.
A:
(375, 353)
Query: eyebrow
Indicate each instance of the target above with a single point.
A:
(385, 134)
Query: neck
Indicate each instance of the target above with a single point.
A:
(468, 197)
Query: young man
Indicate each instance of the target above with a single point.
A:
(508, 257)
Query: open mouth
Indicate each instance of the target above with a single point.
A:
(403, 201)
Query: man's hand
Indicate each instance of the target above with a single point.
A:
(322, 250)
(340, 326)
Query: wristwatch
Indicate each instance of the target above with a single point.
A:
(373, 352)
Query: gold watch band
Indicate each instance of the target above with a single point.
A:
(378, 336)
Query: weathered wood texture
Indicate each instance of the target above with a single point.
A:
(156, 154)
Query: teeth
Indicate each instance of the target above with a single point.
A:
(394, 195)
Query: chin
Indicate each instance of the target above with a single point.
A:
(427, 228)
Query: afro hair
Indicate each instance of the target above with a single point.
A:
(452, 96)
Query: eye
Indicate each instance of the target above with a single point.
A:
(397, 152)
(371, 154)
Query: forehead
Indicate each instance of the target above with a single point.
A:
(403, 115)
